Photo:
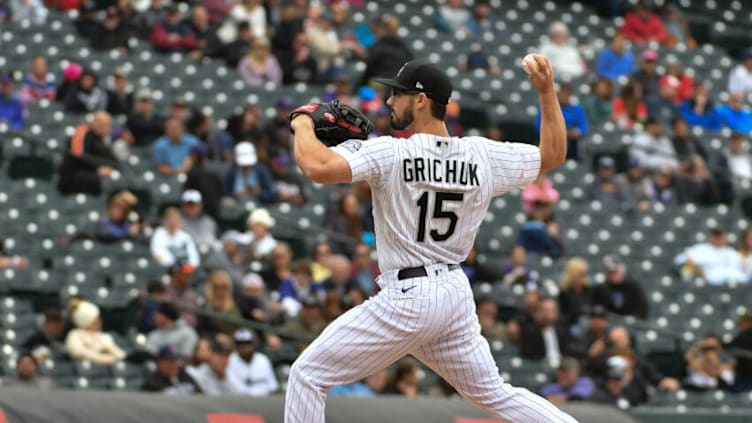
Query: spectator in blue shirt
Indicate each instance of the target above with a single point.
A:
(700, 110)
(616, 61)
(574, 117)
(250, 179)
(734, 115)
(569, 386)
(171, 152)
(11, 107)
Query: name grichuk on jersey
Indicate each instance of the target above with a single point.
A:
(430, 193)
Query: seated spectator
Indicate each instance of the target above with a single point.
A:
(591, 341)
(202, 352)
(144, 124)
(219, 301)
(296, 288)
(117, 224)
(742, 341)
(85, 96)
(86, 23)
(298, 64)
(574, 118)
(347, 220)
(172, 246)
(212, 377)
(251, 369)
(614, 388)
(735, 160)
(180, 110)
(714, 260)
(322, 254)
(171, 331)
(563, 55)
(685, 144)
(488, 317)
(642, 25)
(172, 34)
(477, 272)
(309, 324)
(606, 187)
(364, 269)
(388, 53)
(745, 251)
(27, 375)
(120, 95)
(628, 107)
(111, 34)
(237, 49)
(255, 304)
(47, 341)
(647, 75)
(340, 280)
(259, 66)
(208, 43)
(740, 78)
(87, 341)
(252, 12)
(405, 380)
(484, 15)
(569, 386)
(326, 47)
(371, 386)
(453, 17)
(615, 61)
(249, 179)
(87, 158)
(663, 106)
(205, 181)
(540, 191)
(706, 369)
(526, 316)
(545, 337)
(278, 268)
(653, 148)
(695, 184)
(38, 83)
(700, 109)
(637, 185)
(179, 291)
(201, 228)
(621, 293)
(257, 243)
(597, 104)
(516, 270)
(32, 10)
(677, 27)
(735, 115)
(540, 234)
(664, 187)
(576, 294)
(171, 152)
(12, 109)
(478, 58)
(280, 122)
(170, 376)
(675, 75)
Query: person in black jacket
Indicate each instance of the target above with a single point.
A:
(88, 158)
(111, 34)
(234, 52)
(49, 335)
(85, 96)
(120, 96)
(743, 341)
(143, 123)
(576, 294)
(203, 180)
(170, 376)
(620, 294)
(388, 53)
(546, 337)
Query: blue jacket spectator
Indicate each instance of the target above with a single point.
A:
(615, 61)
(171, 150)
(454, 17)
(249, 179)
(700, 110)
(574, 117)
(734, 115)
(11, 107)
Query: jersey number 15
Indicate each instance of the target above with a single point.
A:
(438, 213)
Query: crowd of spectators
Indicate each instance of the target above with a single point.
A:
(193, 321)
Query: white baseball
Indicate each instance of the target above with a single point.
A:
(529, 64)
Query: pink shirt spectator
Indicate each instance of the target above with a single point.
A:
(539, 191)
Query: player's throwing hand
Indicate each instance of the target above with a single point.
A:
(542, 76)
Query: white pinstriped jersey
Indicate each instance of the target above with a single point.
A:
(430, 193)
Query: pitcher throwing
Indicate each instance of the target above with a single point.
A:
(430, 195)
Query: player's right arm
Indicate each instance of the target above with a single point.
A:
(553, 130)
(317, 161)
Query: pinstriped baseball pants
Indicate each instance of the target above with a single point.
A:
(432, 318)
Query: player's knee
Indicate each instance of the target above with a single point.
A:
(299, 373)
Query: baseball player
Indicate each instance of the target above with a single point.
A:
(430, 194)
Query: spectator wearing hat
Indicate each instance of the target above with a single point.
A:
(615, 61)
(740, 78)
(742, 341)
(220, 302)
(200, 227)
(85, 96)
(171, 331)
(47, 341)
(170, 245)
(621, 293)
(111, 34)
(256, 243)
(170, 376)
(27, 375)
(180, 110)
(647, 75)
(653, 148)
(212, 377)
(249, 179)
(713, 260)
(260, 66)
(12, 110)
(86, 23)
(118, 223)
(590, 342)
(87, 158)
(605, 187)
(613, 388)
(172, 34)
(251, 369)
(171, 152)
(735, 115)
(663, 106)
(254, 303)
(563, 55)
(87, 341)
(629, 106)
(540, 191)
(570, 385)
(143, 122)
(642, 25)
(636, 185)
(700, 110)
(388, 53)
(38, 83)
(206, 182)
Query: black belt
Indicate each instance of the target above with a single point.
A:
(419, 272)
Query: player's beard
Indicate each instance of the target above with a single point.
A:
(404, 120)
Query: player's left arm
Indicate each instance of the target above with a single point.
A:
(319, 163)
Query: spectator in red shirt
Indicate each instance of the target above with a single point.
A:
(172, 34)
(629, 108)
(675, 75)
(642, 25)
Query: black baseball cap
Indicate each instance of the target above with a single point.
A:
(418, 76)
